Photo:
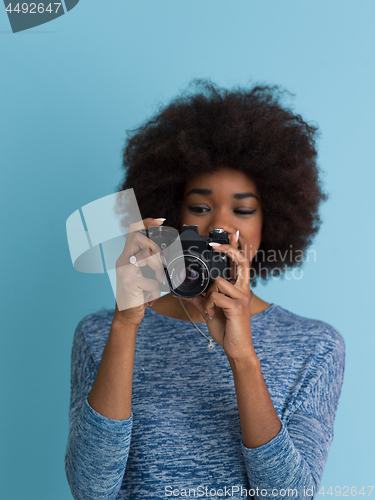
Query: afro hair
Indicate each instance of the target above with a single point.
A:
(244, 129)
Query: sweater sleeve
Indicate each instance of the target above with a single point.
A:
(98, 447)
(293, 461)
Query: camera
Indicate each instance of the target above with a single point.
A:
(190, 263)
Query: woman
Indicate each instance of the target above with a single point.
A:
(155, 414)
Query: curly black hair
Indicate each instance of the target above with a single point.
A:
(245, 129)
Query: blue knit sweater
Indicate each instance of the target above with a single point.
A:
(184, 435)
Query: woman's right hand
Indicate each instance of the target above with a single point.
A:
(133, 291)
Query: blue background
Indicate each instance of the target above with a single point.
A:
(69, 91)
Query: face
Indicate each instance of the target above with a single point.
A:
(228, 199)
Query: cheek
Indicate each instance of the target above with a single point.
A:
(254, 233)
(252, 242)
(257, 230)
(258, 233)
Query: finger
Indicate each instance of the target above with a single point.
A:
(136, 243)
(145, 224)
(152, 261)
(130, 280)
(217, 299)
(225, 287)
(150, 222)
(134, 291)
(135, 228)
(151, 297)
(233, 240)
(143, 242)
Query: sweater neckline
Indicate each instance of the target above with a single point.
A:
(258, 316)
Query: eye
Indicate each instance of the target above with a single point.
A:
(244, 212)
(198, 210)
(203, 209)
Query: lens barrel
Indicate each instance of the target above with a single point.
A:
(188, 275)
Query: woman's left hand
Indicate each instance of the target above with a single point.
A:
(226, 307)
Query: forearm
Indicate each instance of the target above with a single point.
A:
(278, 466)
(111, 392)
(272, 461)
(258, 417)
(96, 455)
(98, 447)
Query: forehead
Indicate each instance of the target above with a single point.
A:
(223, 181)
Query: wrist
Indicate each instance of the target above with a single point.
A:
(249, 362)
(128, 318)
(122, 329)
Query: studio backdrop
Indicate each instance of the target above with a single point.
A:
(73, 80)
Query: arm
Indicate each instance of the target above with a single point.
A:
(295, 458)
(100, 415)
(258, 417)
(226, 309)
(111, 393)
(98, 446)
(277, 455)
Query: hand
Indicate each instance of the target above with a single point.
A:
(226, 307)
(134, 292)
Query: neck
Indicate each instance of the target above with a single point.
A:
(169, 305)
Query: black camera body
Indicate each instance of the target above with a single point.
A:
(190, 263)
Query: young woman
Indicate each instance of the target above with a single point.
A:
(153, 412)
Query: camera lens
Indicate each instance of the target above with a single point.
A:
(188, 276)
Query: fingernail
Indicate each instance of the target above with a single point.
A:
(160, 219)
(214, 244)
(208, 314)
(237, 234)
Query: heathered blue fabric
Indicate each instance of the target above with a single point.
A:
(184, 432)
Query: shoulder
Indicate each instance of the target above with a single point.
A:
(93, 330)
(309, 351)
(311, 334)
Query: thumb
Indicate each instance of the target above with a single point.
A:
(233, 239)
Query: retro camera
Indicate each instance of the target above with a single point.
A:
(192, 268)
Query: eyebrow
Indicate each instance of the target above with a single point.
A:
(206, 192)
